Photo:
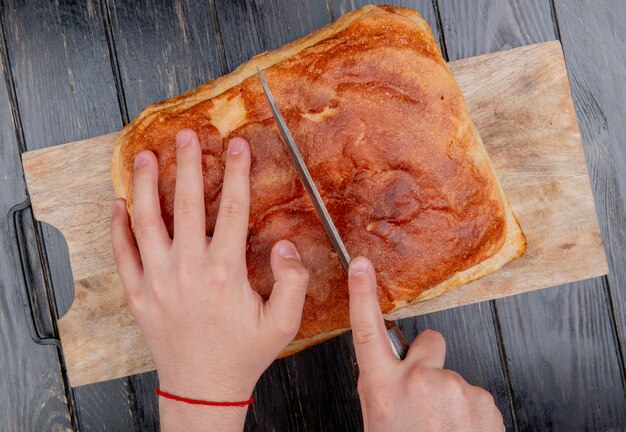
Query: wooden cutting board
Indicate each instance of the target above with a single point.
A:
(520, 101)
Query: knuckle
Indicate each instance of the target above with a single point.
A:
(418, 374)
(220, 276)
(145, 225)
(189, 163)
(361, 289)
(183, 275)
(236, 168)
(231, 208)
(420, 382)
(484, 397)
(496, 418)
(364, 335)
(287, 328)
(186, 204)
(297, 274)
(454, 384)
(143, 231)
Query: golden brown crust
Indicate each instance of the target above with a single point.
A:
(386, 135)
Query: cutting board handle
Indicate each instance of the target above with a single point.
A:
(35, 289)
(32, 272)
(33, 275)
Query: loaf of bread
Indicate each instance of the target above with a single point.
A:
(384, 130)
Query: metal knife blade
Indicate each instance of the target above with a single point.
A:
(307, 180)
(398, 342)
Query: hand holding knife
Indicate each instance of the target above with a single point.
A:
(397, 339)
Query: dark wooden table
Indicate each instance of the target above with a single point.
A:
(553, 359)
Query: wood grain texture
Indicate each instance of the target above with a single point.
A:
(594, 42)
(32, 394)
(479, 27)
(65, 91)
(424, 7)
(251, 27)
(314, 390)
(563, 362)
(163, 48)
(560, 201)
(565, 317)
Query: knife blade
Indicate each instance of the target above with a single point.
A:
(397, 339)
(307, 180)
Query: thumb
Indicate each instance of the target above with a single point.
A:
(371, 342)
(291, 279)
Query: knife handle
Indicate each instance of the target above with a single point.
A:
(399, 345)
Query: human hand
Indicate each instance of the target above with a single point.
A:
(415, 393)
(210, 334)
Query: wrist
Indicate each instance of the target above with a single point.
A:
(176, 415)
(206, 386)
(180, 416)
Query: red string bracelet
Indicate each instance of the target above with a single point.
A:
(203, 402)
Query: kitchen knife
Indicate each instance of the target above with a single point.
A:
(397, 339)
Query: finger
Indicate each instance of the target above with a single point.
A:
(287, 299)
(125, 251)
(152, 237)
(371, 342)
(189, 212)
(231, 227)
(428, 349)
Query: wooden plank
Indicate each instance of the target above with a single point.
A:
(478, 27)
(33, 393)
(315, 389)
(251, 27)
(312, 390)
(424, 7)
(563, 361)
(594, 43)
(163, 48)
(601, 109)
(66, 92)
(574, 350)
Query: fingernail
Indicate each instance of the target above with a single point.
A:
(358, 267)
(183, 137)
(236, 145)
(140, 160)
(287, 250)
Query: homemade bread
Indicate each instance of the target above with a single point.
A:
(384, 130)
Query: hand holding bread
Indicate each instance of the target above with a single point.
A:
(210, 334)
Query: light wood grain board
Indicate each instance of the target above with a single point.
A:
(520, 101)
